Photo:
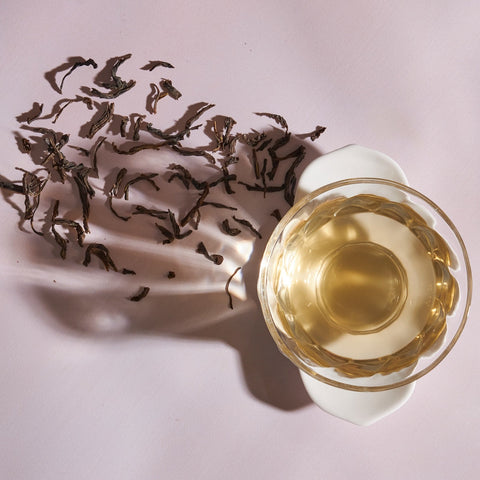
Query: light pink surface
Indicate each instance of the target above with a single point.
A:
(205, 394)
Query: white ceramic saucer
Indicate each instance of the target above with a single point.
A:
(352, 161)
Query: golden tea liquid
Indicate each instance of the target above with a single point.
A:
(363, 285)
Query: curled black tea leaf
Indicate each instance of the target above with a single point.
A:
(123, 126)
(225, 142)
(26, 145)
(84, 63)
(62, 242)
(136, 127)
(103, 254)
(195, 210)
(176, 227)
(196, 116)
(253, 138)
(114, 192)
(85, 191)
(138, 148)
(290, 181)
(86, 100)
(117, 86)
(247, 224)
(32, 186)
(55, 220)
(282, 141)
(276, 214)
(140, 295)
(152, 64)
(229, 230)
(215, 258)
(184, 175)
(144, 177)
(93, 153)
(156, 96)
(277, 118)
(175, 233)
(227, 287)
(220, 205)
(169, 236)
(126, 271)
(106, 117)
(168, 87)
(316, 133)
(195, 152)
(160, 214)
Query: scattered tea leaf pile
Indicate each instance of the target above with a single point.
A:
(133, 134)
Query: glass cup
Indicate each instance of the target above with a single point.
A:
(365, 285)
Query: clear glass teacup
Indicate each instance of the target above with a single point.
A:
(365, 285)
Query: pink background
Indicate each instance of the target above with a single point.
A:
(205, 394)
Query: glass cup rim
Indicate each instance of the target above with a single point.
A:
(271, 243)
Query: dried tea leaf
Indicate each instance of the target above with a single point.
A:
(169, 236)
(114, 192)
(219, 205)
(152, 64)
(123, 126)
(100, 251)
(254, 138)
(247, 224)
(55, 220)
(196, 116)
(276, 214)
(26, 145)
(117, 86)
(32, 186)
(176, 227)
(126, 271)
(316, 133)
(160, 214)
(84, 63)
(290, 181)
(195, 210)
(140, 295)
(144, 177)
(156, 95)
(106, 117)
(277, 118)
(195, 152)
(215, 258)
(136, 127)
(226, 228)
(93, 153)
(168, 87)
(138, 148)
(85, 191)
(227, 287)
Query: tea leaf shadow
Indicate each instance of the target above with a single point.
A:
(193, 305)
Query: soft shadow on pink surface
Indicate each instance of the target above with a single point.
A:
(194, 304)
